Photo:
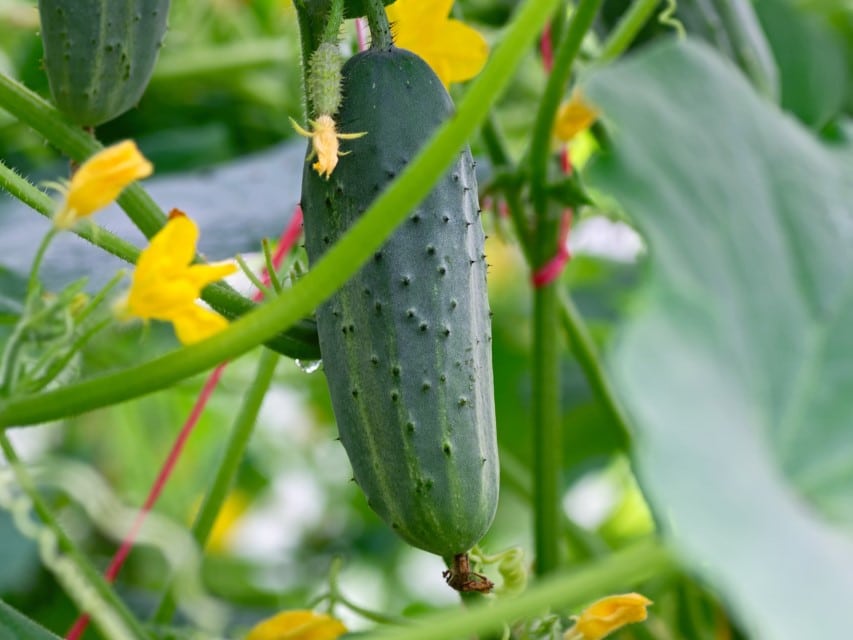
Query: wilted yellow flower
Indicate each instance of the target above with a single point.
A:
(455, 51)
(605, 616)
(298, 625)
(100, 180)
(324, 140)
(166, 285)
(573, 117)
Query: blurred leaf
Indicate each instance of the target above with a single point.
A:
(18, 557)
(13, 290)
(736, 366)
(589, 434)
(811, 59)
(733, 28)
(16, 626)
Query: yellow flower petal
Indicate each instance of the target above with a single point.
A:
(195, 323)
(298, 625)
(605, 616)
(573, 117)
(325, 140)
(165, 285)
(455, 51)
(100, 180)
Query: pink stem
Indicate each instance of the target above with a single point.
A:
(552, 269)
(286, 242)
(360, 33)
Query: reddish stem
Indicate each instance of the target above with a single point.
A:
(360, 33)
(286, 242)
(552, 269)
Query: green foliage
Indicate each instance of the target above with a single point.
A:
(725, 336)
(14, 626)
(814, 74)
(735, 362)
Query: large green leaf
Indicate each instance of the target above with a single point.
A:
(14, 625)
(737, 362)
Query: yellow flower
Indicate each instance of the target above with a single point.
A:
(298, 625)
(100, 180)
(605, 616)
(166, 285)
(324, 140)
(235, 505)
(455, 51)
(573, 117)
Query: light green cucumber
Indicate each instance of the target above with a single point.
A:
(99, 54)
(406, 343)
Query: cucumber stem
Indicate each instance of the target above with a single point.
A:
(547, 429)
(547, 410)
(627, 29)
(298, 342)
(226, 473)
(335, 268)
(380, 29)
(564, 58)
(333, 23)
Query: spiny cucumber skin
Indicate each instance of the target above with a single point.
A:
(100, 54)
(406, 343)
(324, 80)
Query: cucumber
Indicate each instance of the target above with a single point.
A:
(99, 54)
(406, 343)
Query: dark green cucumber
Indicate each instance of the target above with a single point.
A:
(406, 343)
(99, 54)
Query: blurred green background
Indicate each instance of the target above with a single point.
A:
(227, 80)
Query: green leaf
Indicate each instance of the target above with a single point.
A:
(737, 362)
(14, 625)
(811, 60)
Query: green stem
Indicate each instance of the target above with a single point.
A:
(584, 349)
(493, 141)
(40, 202)
(579, 339)
(336, 597)
(33, 281)
(299, 342)
(235, 450)
(563, 60)
(547, 430)
(67, 546)
(558, 23)
(367, 614)
(582, 544)
(626, 31)
(78, 145)
(332, 30)
(308, 42)
(616, 572)
(252, 276)
(336, 266)
(269, 264)
(547, 423)
(380, 30)
(59, 365)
